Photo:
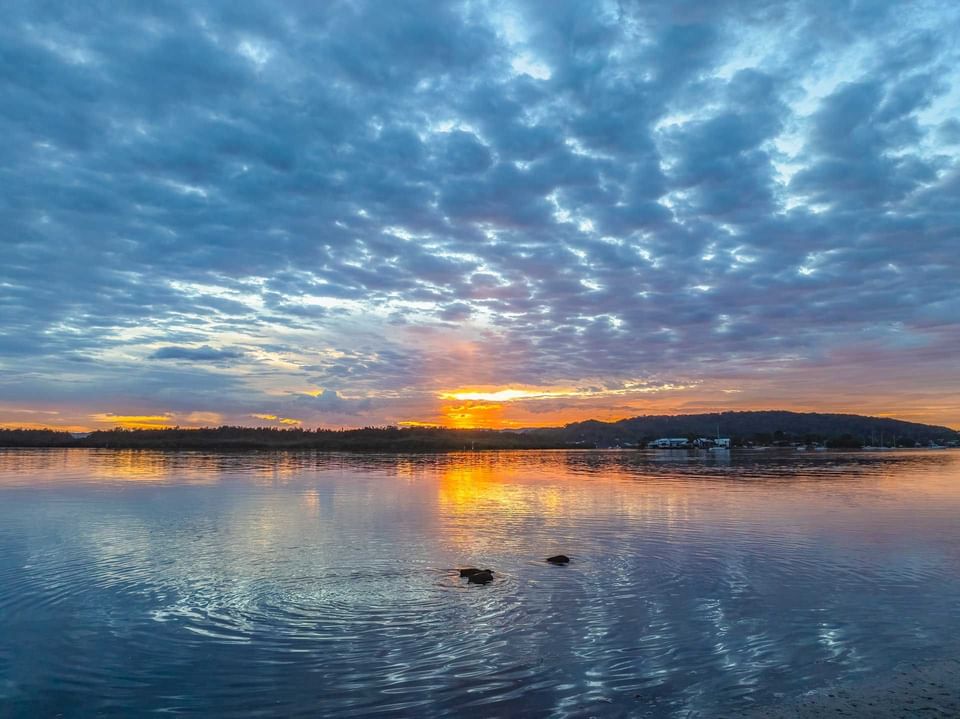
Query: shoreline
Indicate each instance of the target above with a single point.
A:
(240, 447)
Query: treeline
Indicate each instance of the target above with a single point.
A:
(770, 428)
(367, 439)
(36, 438)
(766, 428)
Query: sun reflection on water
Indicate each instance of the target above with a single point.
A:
(696, 582)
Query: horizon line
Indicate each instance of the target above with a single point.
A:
(413, 424)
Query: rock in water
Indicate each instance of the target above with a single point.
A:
(468, 572)
(559, 559)
(482, 577)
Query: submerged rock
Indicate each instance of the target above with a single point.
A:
(559, 559)
(481, 577)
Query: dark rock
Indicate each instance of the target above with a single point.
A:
(482, 577)
(559, 559)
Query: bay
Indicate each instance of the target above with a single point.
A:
(305, 584)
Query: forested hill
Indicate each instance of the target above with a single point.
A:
(745, 428)
(761, 427)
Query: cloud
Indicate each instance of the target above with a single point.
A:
(134, 421)
(476, 195)
(329, 401)
(279, 420)
(204, 353)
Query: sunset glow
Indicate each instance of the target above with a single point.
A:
(506, 395)
(479, 358)
(133, 421)
(486, 215)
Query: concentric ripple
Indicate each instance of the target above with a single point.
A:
(327, 585)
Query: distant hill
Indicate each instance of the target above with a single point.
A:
(745, 428)
(761, 427)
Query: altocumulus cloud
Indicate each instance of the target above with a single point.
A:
(196, 354)
(400, 199)
(329, 400)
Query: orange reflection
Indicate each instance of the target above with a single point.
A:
(548, 486)
(311, 502)
(97, 465)
(466, 486)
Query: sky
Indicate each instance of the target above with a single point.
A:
(477, 214)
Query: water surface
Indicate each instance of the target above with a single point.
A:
(301, 584)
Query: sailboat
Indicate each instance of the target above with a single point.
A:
(718, 447)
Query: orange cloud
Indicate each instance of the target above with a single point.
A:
(475, 415)
(507, 395)
(513, 394)
(44, 425)
(275, 418)
(499, 407)
(127, 421)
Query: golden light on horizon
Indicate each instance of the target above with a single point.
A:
(515, 406)
(590, 391)
(45, 426)
(290, 421)
(509, 394)
(126, 421)
(475, 416)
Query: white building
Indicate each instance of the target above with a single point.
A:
(670, 443)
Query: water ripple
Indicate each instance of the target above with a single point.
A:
(326, 585)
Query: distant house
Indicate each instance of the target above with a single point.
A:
(712, 443)
(670, 443)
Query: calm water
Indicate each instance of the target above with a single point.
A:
(321, 585)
